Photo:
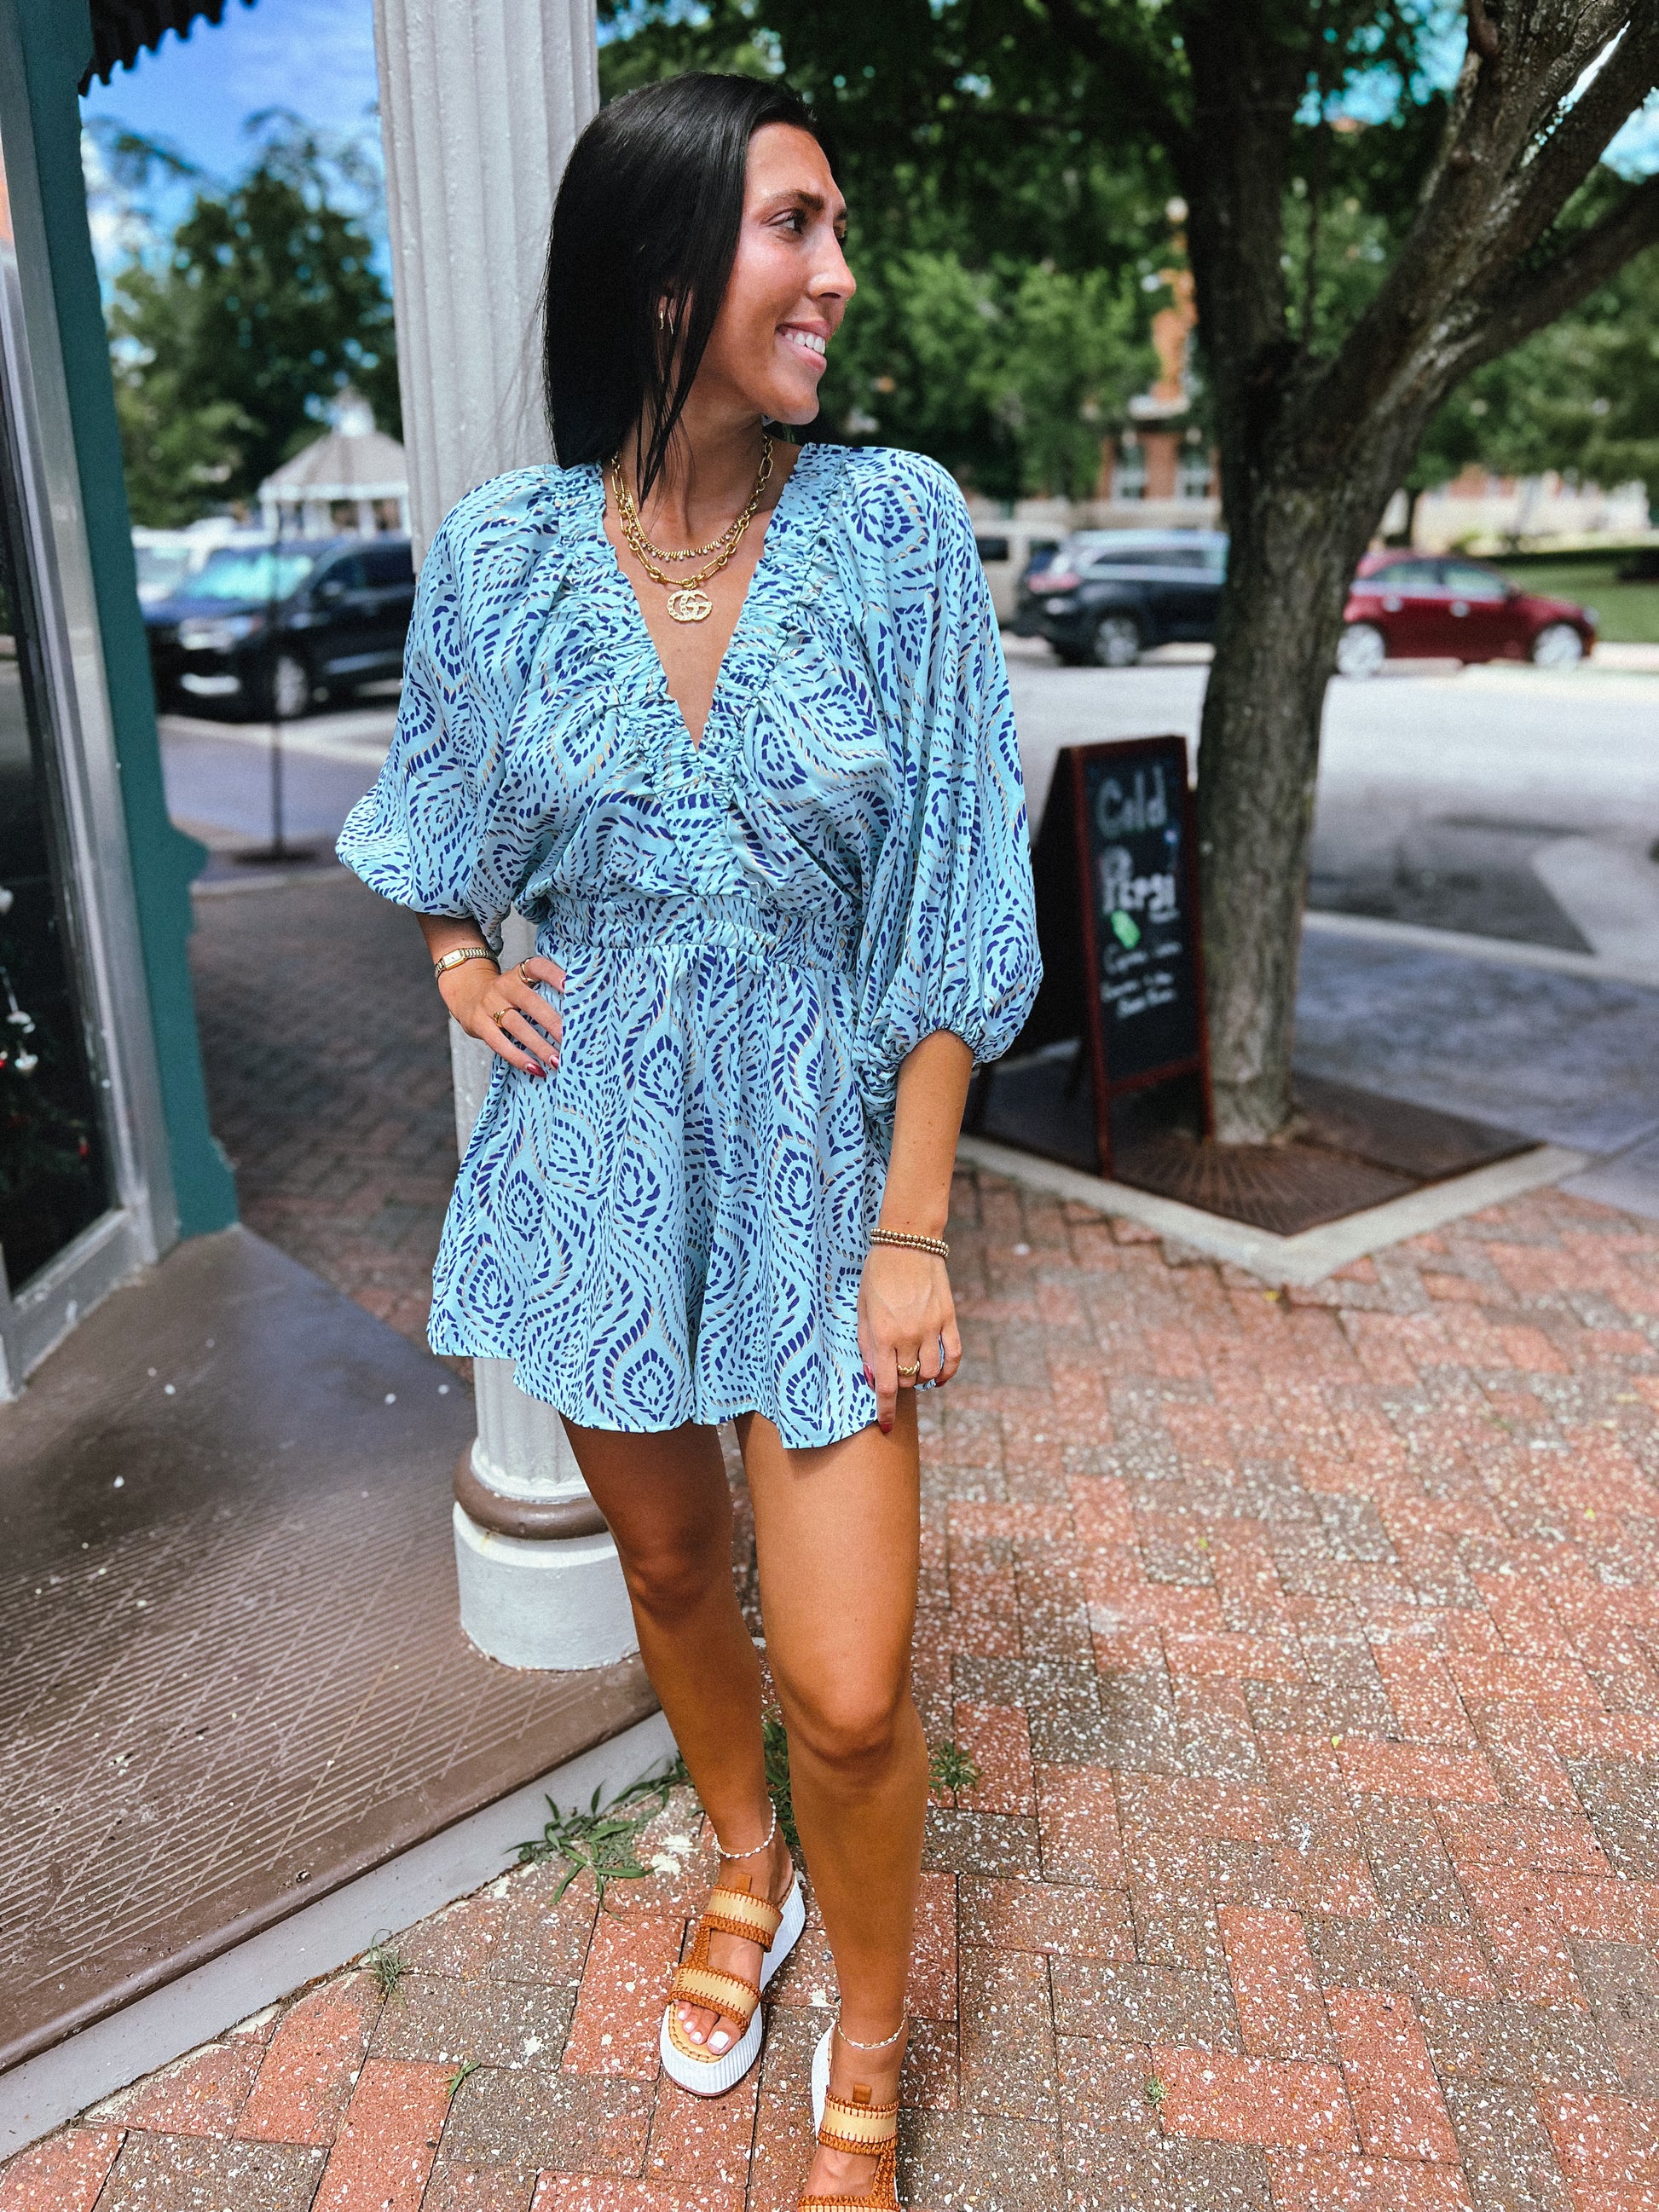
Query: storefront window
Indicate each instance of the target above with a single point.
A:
(54, 1169)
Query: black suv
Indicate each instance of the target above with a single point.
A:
(1109, 595)
(269, 630)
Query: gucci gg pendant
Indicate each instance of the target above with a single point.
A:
(691, 607)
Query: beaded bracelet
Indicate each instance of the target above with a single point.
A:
(903, 1238)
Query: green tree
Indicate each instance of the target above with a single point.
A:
(1480, 215)
(228, 342)
(1011, 375)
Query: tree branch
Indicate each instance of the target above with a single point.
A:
(1579, 139)
(1534, 298)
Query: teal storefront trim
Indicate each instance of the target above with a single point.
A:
(57, 41)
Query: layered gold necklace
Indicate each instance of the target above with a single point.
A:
(686, 603)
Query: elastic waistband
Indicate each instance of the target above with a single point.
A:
(804, 936)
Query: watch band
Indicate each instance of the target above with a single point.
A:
(461, 953)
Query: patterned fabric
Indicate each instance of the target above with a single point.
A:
(755, 929)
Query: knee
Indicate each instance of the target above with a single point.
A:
(669, 1582)
(852, 1728)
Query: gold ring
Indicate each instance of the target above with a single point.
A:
(500, 1017)
(914, 1369)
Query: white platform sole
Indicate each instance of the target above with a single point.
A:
(821, 2075)
(713, 2077)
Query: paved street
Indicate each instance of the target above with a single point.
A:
(1504, 801)
(1305, 1643)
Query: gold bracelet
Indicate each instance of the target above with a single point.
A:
(902, 1237)
(461, 953)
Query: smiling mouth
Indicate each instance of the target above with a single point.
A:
(808, 342)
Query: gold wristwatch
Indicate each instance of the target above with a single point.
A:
(461, 953)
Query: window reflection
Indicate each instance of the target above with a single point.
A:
(54, 1174)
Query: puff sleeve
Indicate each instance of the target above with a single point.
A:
(949, 939)
(428, 835)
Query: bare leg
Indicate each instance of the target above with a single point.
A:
(838, 1532)
(667, 1501)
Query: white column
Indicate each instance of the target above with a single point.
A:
(479, 107)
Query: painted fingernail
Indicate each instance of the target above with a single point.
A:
(887, 1428)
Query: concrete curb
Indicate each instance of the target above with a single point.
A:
(1317, 1253)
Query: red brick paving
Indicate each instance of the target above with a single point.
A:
(1309, 1646)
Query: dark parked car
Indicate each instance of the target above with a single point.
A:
(269, 631)
(1109, 595)
(1405, 607)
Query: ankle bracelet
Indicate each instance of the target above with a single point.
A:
(764, 1844)
(886, 2043)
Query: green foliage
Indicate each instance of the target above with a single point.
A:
(603, 1842)
(1010, 375)
(388, 1967)
(228, 344)
(775, 1743)
(464, 2072)
(952, 1768)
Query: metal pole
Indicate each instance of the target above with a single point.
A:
(278, 845)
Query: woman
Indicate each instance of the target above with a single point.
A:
(726, 719)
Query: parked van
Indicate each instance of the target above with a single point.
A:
(1007, 549)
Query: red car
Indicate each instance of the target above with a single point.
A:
(1409, 606)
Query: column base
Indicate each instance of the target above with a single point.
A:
(549, 1602)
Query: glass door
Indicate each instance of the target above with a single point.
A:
(54, 1159)
(86, 1190)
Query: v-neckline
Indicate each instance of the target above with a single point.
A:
(637, 610)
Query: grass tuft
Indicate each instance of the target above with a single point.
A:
(603, 1842)
(388, 1967)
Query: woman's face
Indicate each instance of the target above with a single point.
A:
(789, 285)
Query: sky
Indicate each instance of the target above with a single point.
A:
(316, 56)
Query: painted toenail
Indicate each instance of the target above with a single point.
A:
(718, 2040)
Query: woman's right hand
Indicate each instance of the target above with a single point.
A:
(528, 1036)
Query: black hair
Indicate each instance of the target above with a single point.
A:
(649, 211)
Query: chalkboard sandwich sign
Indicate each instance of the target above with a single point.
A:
(1116, 871)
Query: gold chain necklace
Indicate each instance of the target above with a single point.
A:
(686, 603)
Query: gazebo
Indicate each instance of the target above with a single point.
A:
(354, 467)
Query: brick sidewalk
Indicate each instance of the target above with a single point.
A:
(1306, 1643)
(327, 1061)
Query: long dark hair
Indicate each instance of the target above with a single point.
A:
(649, 211)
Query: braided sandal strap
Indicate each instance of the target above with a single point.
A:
(735, 1912)
(861, 2131)
(699, 1984)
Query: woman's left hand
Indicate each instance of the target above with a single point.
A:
(907, 1318)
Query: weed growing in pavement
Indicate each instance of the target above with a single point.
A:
(1155, 2092)
(452, 2081)
(603, 1842)
(387, 1966)
(774, 1743)
(952, 1768)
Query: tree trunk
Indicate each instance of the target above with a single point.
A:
(1292, 553)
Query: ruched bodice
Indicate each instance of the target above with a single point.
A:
(756, 929)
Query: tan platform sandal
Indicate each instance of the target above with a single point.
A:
(732, 1910)
(860, 2130)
